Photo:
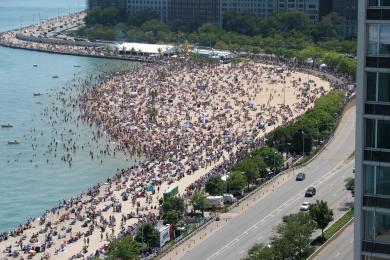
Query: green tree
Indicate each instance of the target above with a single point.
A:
(321, 214)
(173, 210)
(123, 249)
(147, 234)
(139, 18)
(271, 157)
(105, 16)
(249, 167)
(330, 26)
(199, 201)
(244, 23)
(350, 185)
(215, 186)
(292, 240)
(236, 181)
(293, 237)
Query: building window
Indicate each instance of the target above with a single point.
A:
(371, 86)
(376, 132)
(377, 226)
(370, 133)
(378, 3)
(378, 87)
(383, 181)
(384, 87)
(376, 180)
(368, 225)
(369, 179)
(383, 130)
(379, 39)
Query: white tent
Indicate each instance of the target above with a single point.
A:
(146, 48)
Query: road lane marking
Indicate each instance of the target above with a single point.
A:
(275, 211)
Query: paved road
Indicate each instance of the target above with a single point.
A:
(340, 248)
(327, 172)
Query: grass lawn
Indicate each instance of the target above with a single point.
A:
(338, 224)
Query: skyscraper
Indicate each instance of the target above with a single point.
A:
(372, 186)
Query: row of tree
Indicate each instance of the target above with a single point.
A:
(254, 166)
(289, 35)
(311, 128)
(293, 235)
(330, 26)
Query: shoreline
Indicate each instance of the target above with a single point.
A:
(85, 198)
(10, 39)
(101, 199)
(80, 54)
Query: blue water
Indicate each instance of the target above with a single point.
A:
(29, 184)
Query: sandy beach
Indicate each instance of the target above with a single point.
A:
(189, 120)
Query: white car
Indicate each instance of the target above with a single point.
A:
(305, 206)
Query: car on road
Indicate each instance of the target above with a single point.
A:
(310, 192)
(305, 206)
(300, 177)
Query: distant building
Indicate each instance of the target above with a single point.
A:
(158, 7)
(260, 8)
(121, 4)
(309, 7)
(348, 10)
(194, 12)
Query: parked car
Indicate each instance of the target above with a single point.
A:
(305, 206)
(300, 177)
(310, 192)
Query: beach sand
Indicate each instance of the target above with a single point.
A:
(202, 115)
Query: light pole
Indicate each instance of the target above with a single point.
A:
(303, 143)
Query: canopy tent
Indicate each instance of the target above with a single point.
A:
(146, 48)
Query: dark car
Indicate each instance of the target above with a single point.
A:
(300, 177)
(310, 192)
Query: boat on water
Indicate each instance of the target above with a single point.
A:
(8, 125)
(77, 66)
(35, 65)
(14, 142)
(55, 77)
(37, 94)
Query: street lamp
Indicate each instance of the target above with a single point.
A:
(303, 143)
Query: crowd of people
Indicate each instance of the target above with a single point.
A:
(189, 120)
(51, 36)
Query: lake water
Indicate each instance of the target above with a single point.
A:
(31, 178)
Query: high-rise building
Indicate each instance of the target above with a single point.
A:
(260, 8)
(372, 177)
(348, 10)
(309, 7)
(194, 13)
(158, 7)
(121, 4)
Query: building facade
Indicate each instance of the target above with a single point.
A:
(260, 8)
(158, 7)
(309, 7)
(121, 4)
(194, 13)
(348, 10)
(372, 177)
